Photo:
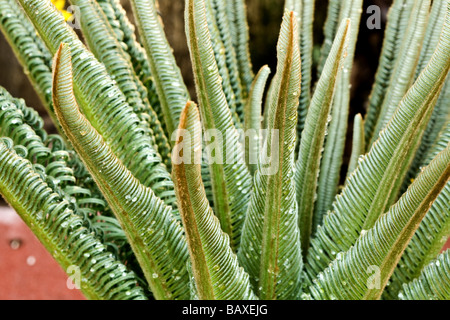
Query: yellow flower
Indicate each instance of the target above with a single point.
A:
(60, 4)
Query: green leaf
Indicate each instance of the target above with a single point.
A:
(172, 91)
(237, 17)
(270, 248)
(433, 283)
(223, 24)
(432, 234)
(125, 33)
(252, 118)
(152, 231)
(304, 10)
(103, 103)
(435, 23)
(220, 52)
(365, 195)
(103, 42)
(405, 67)
(215, 267)
(329, 31)
(231, 180)
(397, 21)
(61, 231)
(332, 158)
(436, 124)
(313, 137)
(358, 144)
(364, 270)
(30, 50)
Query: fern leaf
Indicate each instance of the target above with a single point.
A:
(358, 143)
(311, 145)
(231, 180)
(215, 267)
(332, 158)
(405, 66)
(29, 49)
(221, 59)
(304, 10)
(397, 22)
(367, 190)
(153, 233)
(436, 124)
(61, 231)
(104, 104)
(125, 33)
(329, 31)
(431, 236)
(102, 42)
(223, 24)
(172, 91)
(252, 118)
(237, 17)
(433, 283)
(379, 249)
(270, 250)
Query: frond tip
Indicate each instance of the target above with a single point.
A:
(216, 271)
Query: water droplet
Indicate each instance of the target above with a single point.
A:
(15, 244)
(154, 275)
(31, 261)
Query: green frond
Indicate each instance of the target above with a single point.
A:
(61, 231)
(304, 10)
(313, 137)
(438, 119)
(431, 236)
(332, 157)
(102, 41)
(397, 21)
(252, 118)
(433, 283)
(125, 33)
(364, 270)
(223, 24)
(215, 267)
(220, 53)
(405, 67)
(103, 103)
(152, 231)
(169, 83)
(270, 248)
(237, 17)
(358, 143)
(29, 49)
(230, 178)
(367, 190)
(61, 168)
(434, 26)
(329, 31)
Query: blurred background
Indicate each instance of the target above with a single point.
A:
(27, 271)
